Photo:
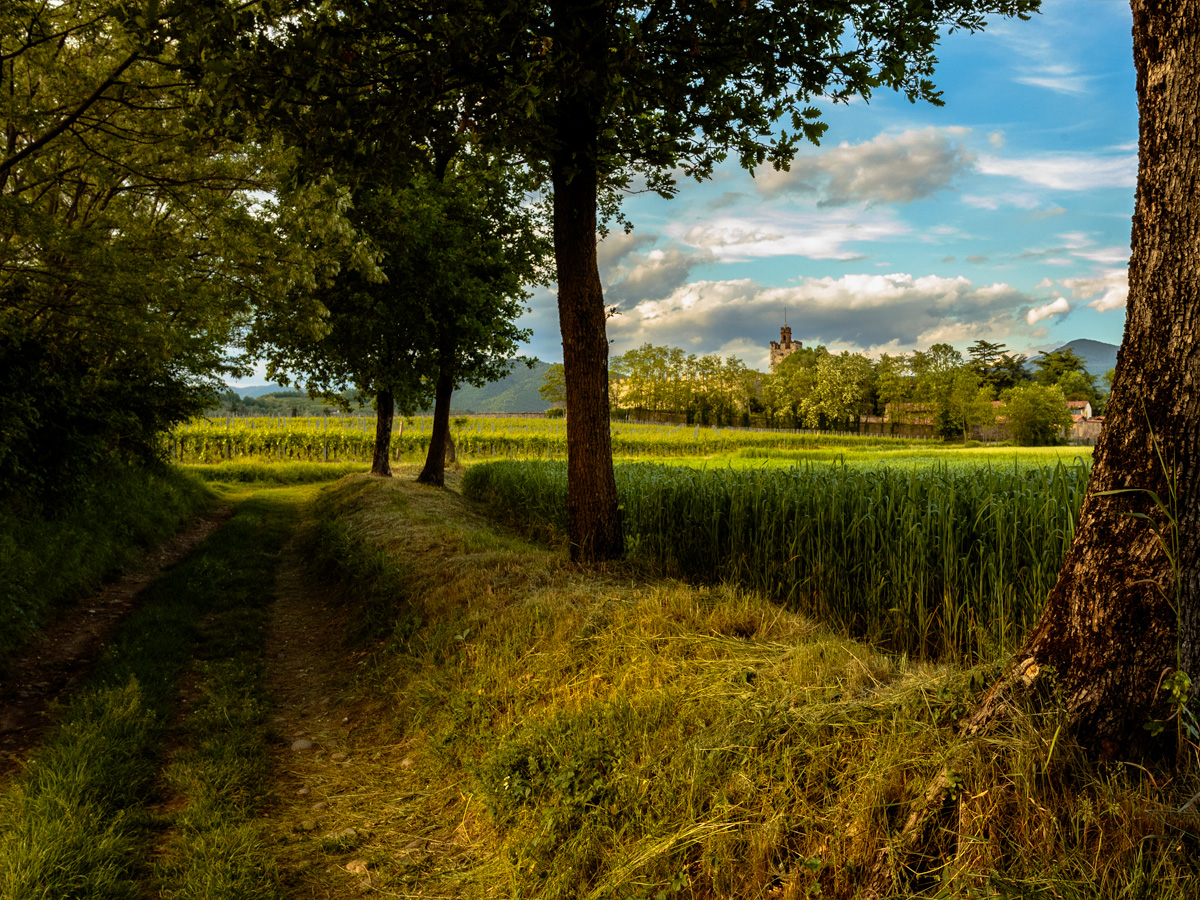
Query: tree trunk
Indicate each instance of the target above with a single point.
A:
(1121, 615)
(594, 524)
(384, 410)
(435, 461)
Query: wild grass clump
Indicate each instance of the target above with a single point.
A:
(52, 556)
(936, 562)
(579, 734)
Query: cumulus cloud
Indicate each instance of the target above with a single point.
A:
(817, 236)
(889, 168)
(1065, 171)
(640, 276)
(619, 244)
(1107, 291)
(1047, 310)
(857, 311)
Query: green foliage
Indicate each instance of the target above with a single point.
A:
(706, 390)
(937, 562)
(996, 366)
(130, 244)
(1037, 414)
(554, 385)
(52, 555)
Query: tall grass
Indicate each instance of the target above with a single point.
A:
(353, 438)
(938, 562)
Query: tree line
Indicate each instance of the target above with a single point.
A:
(813, 388)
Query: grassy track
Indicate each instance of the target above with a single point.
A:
(50, 558)
(78, 822)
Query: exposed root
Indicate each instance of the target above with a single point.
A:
(938, 805)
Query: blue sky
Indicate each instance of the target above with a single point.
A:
(1002, 215)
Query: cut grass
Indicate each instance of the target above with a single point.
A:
(596, 734)
(75, 823)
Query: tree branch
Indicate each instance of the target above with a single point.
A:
(35, 146)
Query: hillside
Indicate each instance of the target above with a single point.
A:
(1098, 356)
(517, 392)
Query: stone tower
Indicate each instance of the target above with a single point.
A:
(783, 347)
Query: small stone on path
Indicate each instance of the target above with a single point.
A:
(302, 744)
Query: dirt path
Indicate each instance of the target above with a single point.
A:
(62, 655)
(344, 820)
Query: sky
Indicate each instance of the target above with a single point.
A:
(1003, 215)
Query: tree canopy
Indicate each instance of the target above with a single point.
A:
(130, 244)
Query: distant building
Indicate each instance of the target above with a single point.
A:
(1080, 409)
(783, 347)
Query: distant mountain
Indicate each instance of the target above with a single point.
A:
(1098, 356)
(257, 390)
(517, 392)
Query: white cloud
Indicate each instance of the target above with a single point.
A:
(1057, 77)
(816, 236)
(889, 168)
(1065, 171)
(1048, 310)
(995, 201)
(1108, 291)
(856, 311)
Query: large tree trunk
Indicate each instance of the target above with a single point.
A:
(1121, 615)
(384, 411)
(435, 461)
(594, 524)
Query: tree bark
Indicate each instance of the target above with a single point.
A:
(1121, 615)
(594, 524)
(435, 461)
(384, 412)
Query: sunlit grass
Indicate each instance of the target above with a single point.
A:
(926, 559)
(556, 732)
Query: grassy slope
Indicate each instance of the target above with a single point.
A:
(49, 559)
(580, 734)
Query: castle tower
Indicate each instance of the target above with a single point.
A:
(783, 347)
